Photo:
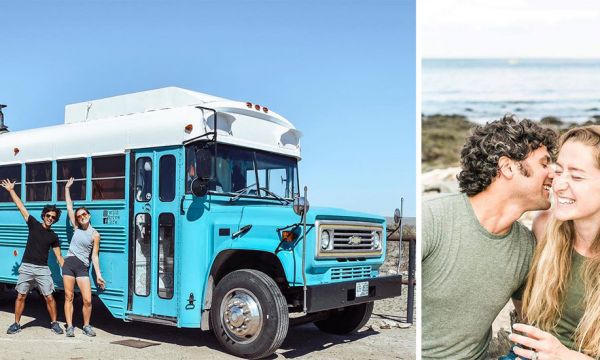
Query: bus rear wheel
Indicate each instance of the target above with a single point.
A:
(249, 314)
(346, 320)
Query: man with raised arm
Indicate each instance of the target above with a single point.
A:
(34, 270)
(475, 255)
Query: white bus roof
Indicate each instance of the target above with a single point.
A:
(149, 119)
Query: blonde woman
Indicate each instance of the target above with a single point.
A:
(85, 244)
(562, 295)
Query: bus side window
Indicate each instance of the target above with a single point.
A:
(38, 181)
(143, 179)
(108, 177)
(65, 170)
(12, 173)
(166, 181)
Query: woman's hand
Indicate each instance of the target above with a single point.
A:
(543, 345)
(100, 281)
(69, 183)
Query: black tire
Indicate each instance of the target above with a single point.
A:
(346, 320)
(249, 288)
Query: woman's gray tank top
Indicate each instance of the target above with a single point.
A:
(82, 244)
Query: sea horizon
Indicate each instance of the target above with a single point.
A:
(486, 89)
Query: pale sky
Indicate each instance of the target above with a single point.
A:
(509, 28)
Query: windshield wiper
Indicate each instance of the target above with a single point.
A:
(283, 200)
(244, 191)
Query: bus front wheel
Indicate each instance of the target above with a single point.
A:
(249, 314)
(346, 320)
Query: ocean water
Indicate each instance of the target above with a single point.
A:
(487, 89)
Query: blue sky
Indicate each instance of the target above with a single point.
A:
(342, 71)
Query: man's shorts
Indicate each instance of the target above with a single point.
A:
(75, 267)
(34, 275)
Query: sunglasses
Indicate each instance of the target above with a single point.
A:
(80, 216)
(51, 217)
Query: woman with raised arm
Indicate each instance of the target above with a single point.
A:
(85, 244)
(562, 296)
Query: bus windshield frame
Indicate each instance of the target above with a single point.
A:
(245, 172)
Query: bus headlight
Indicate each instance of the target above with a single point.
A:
(376, 241)
(325, 239)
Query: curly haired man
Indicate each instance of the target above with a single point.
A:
(34, 270)
(475, 255)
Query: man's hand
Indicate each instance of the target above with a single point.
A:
(61, 261)
(69, 183)
(7, 185)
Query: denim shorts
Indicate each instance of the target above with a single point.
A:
(75, 267)
(34, 275)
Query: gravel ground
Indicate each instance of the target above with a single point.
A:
(306, 341)
(384, 337)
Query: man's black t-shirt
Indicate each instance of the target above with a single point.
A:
(39, 242)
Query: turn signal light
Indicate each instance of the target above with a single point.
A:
(189, 128)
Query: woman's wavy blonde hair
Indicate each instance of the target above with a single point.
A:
(551, 268)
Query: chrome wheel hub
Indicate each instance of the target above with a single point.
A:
(241, 315)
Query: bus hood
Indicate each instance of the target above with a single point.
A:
(282, 216)
(326, 213)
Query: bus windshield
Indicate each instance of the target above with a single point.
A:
(247, 172)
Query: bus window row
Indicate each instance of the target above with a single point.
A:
(107, 179)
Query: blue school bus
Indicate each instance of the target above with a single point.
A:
(202, 218)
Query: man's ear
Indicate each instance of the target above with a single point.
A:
(506, 167)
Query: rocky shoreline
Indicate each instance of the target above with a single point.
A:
(443, 135)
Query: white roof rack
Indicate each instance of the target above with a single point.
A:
(149, 119)
(135, 103)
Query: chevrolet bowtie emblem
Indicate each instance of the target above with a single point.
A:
(354, 240)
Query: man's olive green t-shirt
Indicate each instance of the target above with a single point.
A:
(468, 276)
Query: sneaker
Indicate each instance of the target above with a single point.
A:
(70, 331)
(55, 328)
(13, 329)
(87, 330)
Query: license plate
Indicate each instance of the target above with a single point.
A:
(362, 288)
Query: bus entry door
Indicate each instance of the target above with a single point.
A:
(155, 188)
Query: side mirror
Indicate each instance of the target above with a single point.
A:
(200, 186)
(397, 216)
(299, 205)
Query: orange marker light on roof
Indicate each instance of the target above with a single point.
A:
(249, 104)
(257, 107)
(265, 109)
